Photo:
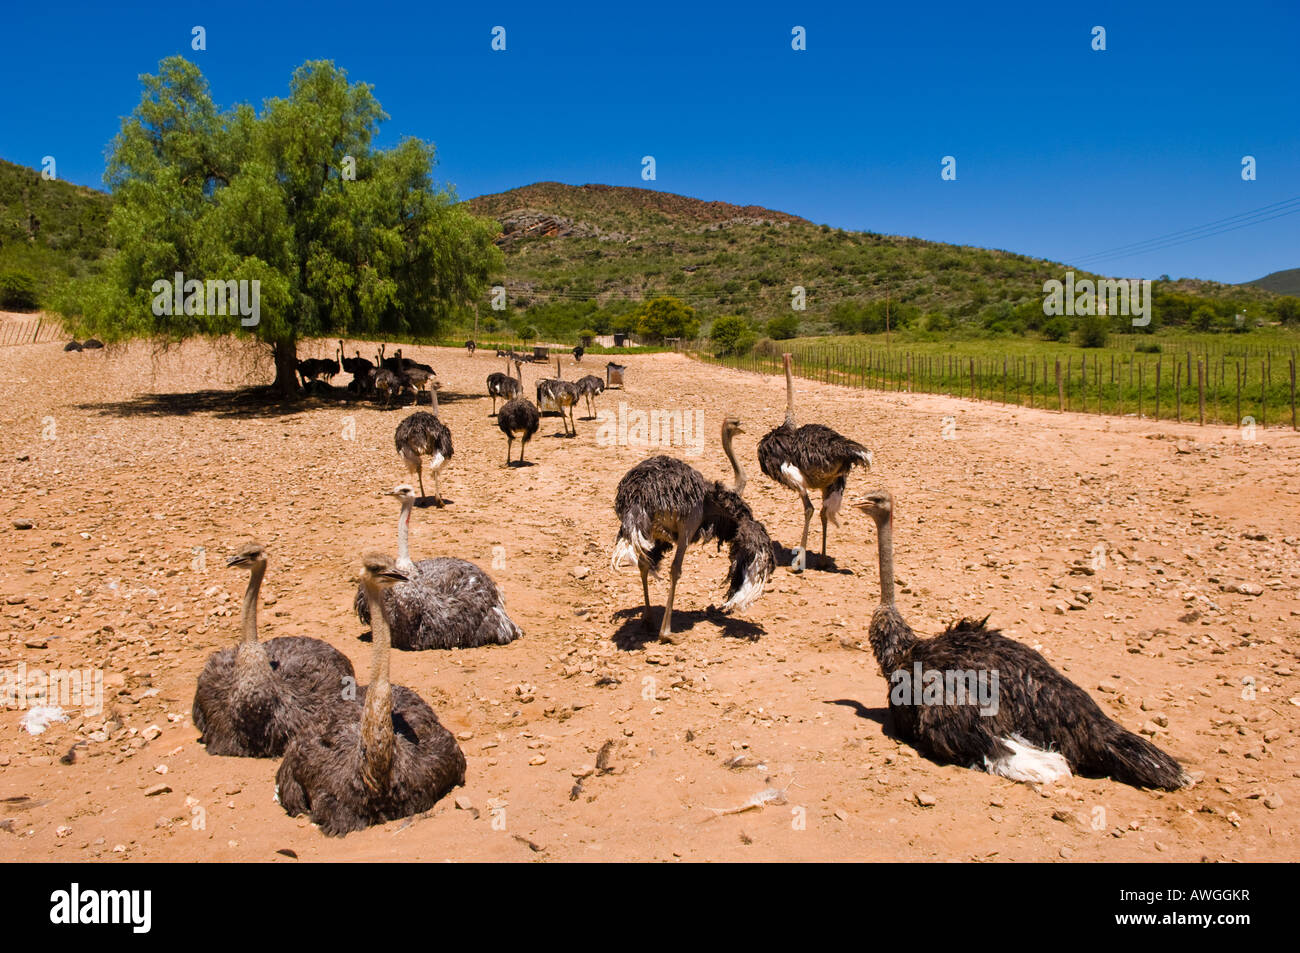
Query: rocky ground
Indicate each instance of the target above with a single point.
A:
(1156, 564)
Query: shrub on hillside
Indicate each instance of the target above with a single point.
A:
(18, 291)
(1056, 329)
(1093, 331)
(730, 334)
(783, 328)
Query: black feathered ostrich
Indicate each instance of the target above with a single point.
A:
(444, 604)
(1039, 727)
(559, 395)
(251, 699)
(662, 502)
(518, 419)
(503, 386)
(811, 457)
(423, 435)
(378, 758)
(589, 388)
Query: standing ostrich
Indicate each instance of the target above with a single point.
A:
(662, 502)
(447, 603)
(251, 699)
(360, 369)
(389, 383)
(518, 418)
(423, 434)
(561, 395)
(382, 757)
(503, 386)
(590, 387)
(1041, 725)
(811, 457)
(471, 347)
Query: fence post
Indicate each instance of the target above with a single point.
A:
(1060, 388)
(1158, 388)
(1200, 390)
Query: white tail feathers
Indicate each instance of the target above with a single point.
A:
(630, 549)
(750, 590)
(1028, 763)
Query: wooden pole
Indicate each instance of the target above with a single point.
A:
(1200, 390)
(1060, 388)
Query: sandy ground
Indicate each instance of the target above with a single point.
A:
(141, 473)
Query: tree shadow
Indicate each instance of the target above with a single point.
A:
(244, 402)
(633, 635)
(814, 561)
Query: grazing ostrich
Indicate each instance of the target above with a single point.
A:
(589, 388)
(382, 757)
(446, 603)
(518, 418)
(1040, 726)
(73, 346)
(662, 502)
(561, 395)
(811, 457)
(423, 434)
(503, 386)
(251, 699)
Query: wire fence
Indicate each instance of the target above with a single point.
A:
(29, 329)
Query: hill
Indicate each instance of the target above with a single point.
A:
(50, 229)
(1279, 282)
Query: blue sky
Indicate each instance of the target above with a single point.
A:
(1062, 152)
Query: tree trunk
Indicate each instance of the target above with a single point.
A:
(286, 368)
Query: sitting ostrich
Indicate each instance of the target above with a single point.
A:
(73, 346)
(423, 435)
(251, 699)
(561, 395)
(662, 502)
(92, 344)
(811, 457)
(518, 418)
(1041, 725)
(503, 386)
(590, 387)
(381, 757)
(444, 604)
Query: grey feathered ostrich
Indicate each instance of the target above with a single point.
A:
(589, 388)
(251, 699)
(1039, 726)
(520, 419)
(559, 394)
(503, 386)
(445, 603)
(662, 502)
(423, 435)
(811, 457)
(381, 757)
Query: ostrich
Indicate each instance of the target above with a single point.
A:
(358, 367)
(518, 418)
(1041, 725)
(446, 603)
(578, 352)
(589, 388)
(423, 434)
(388, 383)
(251, 699)
(471, 347)
(92, 344)
(663, 502)
(811, 457)
(379, 758)
(559, 394)
(503, 386)
(73, 346)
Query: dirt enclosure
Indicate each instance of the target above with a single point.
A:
(1156, 564)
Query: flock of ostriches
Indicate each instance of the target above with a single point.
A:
(357, 755)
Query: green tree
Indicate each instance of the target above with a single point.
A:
(666, 317)
(1093, 330)
(731, 334)
(18, 290)
(783, 327)
(343, 238)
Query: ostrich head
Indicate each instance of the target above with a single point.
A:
(248, 556)
(381, 570)
(731, 427)
(403, 491)
(878, 504)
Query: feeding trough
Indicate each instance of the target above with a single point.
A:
(614, 374)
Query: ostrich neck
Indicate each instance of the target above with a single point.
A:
(377, 717)
(736, 468)
(433, 400)
(789, 396)
(250, 602)
(403, 529)
(885, 543)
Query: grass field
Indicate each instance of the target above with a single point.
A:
(1209, 378)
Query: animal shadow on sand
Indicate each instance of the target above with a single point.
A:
(426, 501)
(632, 635)
(879, 715)
(814, 561)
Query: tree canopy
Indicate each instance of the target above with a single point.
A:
(342, 237)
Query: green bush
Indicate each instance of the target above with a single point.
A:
(18, 291)
(666, 317)
(730, 334)
(783, 328)
(1057, 329)
(1148, 347)
(1093, 331)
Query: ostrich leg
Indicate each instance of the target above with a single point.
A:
(807, 521)
(437, 490)
(522, 444)
(494, 406)
(666, 627)
(645, 591)
(823, 529)
(419, 473)
(510, 442)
